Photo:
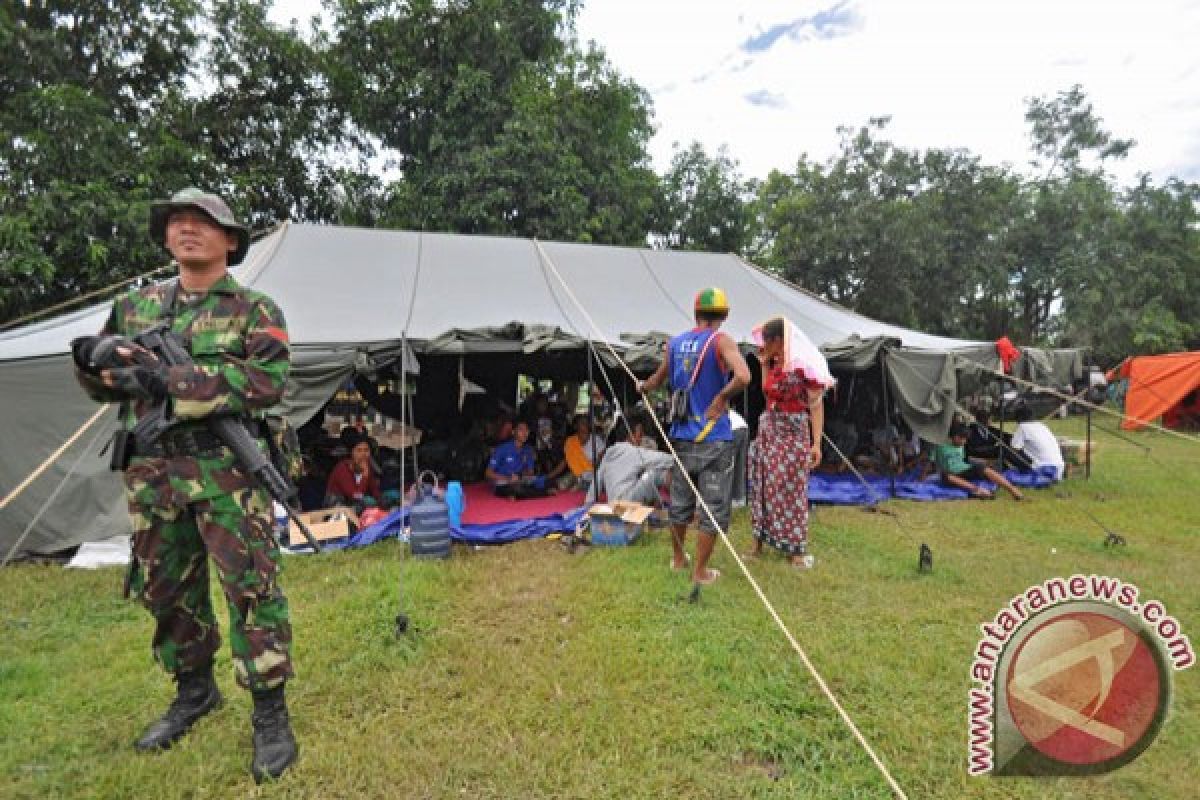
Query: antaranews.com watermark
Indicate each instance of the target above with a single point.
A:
(1072, 677)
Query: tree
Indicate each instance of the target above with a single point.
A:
(496, 120)
(1140, 297)
(848, 230)
(81, 85)
(705, 203)
(108, 106)
(1063, 236)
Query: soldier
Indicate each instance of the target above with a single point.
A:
(187, 497)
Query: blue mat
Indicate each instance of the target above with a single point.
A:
(846, 489)
(392, 527)
(513, 530)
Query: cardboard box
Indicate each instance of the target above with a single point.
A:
(397, 438)
(1074, 451)
(619, 523)
(328, 523)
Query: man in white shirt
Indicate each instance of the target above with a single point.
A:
(1036, 441)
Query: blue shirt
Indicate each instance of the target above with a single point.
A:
(509, 460)
(683, 350)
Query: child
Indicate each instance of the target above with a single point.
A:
(959, 473)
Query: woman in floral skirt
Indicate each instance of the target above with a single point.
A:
(788, 445)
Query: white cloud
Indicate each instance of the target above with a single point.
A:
(951, 73)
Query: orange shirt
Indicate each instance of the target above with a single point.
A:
(578, 461)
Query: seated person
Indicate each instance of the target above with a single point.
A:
(583, 450)
(984, 441)
(884, 454)
(511, 470)
(602, 410)
(913, 453)
(548, 453)
(990, 443)
(501, 428)
(1035, 441)
(354, 481)
(537, 412)
(843, 437)
(638, 436)
(629, 472)
(958, 473)
(352, 431)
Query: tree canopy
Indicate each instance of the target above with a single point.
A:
(490, 116)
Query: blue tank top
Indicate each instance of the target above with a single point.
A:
(683, 351)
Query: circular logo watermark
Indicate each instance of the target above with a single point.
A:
(1072, 677)
(1087, 689)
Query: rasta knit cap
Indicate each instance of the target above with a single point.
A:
(712, 300)
(211, 205)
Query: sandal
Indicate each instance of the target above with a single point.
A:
(713, 574)
(805, 562)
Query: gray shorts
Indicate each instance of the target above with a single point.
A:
(710, 465)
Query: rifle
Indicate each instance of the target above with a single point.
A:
(167, 346)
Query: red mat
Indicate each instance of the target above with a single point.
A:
(484, 508)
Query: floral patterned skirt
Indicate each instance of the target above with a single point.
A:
(778, 472)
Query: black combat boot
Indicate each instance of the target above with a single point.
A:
(196, 695)
(274, 744)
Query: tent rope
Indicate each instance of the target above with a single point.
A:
(816, 675)
(1072, 399)
(54, 494)
(1005, 446)
(40, 468)
(12, 323)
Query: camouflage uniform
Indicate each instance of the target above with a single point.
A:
(187, 507)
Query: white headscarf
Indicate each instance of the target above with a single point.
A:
(799, 353)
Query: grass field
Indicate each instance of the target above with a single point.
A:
(533, 673)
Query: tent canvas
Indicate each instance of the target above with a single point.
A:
(352, 296)
(1158, 386)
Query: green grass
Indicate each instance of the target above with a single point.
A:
(533, 673)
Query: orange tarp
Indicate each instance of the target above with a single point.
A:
(1157, 387)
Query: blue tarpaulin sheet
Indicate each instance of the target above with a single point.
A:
(392, 526)
(844, 489)
(847, 489)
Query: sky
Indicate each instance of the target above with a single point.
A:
(772, 80)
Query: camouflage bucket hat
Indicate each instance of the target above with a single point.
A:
(210, 204)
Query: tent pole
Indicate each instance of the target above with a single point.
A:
(403, 409)
(1000, 455)
(1087, 454)
(591, 406)
(887, 424)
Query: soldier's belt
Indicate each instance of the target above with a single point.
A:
(197, 442)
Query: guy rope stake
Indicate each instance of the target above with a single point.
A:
(816, 675)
